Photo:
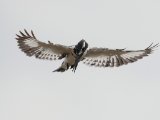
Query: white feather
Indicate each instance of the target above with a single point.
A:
(31, 43)
(115, 60)
(112, 62)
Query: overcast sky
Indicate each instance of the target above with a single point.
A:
(30, 91)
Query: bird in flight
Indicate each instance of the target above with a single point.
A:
(100, 57)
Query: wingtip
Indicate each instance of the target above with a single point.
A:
(151, 46)
(33, 34)
(27, 33)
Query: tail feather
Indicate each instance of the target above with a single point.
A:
(59, 70)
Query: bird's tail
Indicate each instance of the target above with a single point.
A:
(60, 69)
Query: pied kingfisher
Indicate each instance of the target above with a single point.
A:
(100, 57)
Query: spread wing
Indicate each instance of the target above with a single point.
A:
(30, 45)
(103, 57)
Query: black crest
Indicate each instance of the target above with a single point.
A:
(80, 47)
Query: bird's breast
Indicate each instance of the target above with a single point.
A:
(70, 59)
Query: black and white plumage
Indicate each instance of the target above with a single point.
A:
(100, 57)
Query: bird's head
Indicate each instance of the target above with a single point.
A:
(81, 47)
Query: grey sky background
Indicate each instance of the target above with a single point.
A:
(30, 91)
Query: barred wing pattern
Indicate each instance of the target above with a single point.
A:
(29, 44)
(103, 57)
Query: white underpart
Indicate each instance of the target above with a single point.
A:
(31, 43)
(64, 64)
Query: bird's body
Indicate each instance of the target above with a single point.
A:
(69, 61)
(74, 57)
(101, 57)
